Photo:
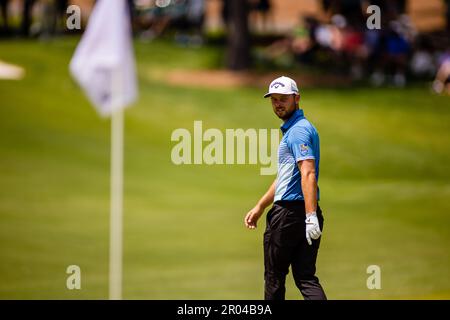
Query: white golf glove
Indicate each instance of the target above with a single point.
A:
(312, 227)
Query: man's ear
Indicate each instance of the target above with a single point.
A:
(297, 99)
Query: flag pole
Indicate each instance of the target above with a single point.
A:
(116, 218)
(110, 84)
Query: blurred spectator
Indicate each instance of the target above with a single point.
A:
(397, 50)
(303, 43)
(390, 9)
(46, 26)
(331, 35)
(351, 10)
(441, 83)
(260, 12)
(299, 44)
(422, 61)
(158, 16)
(195, 16)
(185, 17)
(373, 44)
(189, 25)
(354, 51)
(383, 56)
(349, 44)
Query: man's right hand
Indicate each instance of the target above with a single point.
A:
(252, 217)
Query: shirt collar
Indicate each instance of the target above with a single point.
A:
(296, 116)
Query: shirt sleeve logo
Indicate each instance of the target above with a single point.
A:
(303, 149)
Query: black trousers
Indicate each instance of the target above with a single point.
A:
(285, 245)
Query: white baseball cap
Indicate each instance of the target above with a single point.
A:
(282, 85)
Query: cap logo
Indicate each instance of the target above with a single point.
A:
(276, 85)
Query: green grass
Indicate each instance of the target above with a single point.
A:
(385, 173)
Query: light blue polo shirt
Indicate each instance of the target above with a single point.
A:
(300, 142)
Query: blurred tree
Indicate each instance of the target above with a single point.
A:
(4, 9)
(447, 15)
(238, 36)
(61, 14)
(26, 16)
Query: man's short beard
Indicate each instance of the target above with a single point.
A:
(290, 114)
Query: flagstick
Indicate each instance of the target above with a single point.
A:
(105, 32)
(115, 255)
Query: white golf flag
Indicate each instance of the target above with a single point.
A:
(103, 63)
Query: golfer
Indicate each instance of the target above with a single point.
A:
(294, 223)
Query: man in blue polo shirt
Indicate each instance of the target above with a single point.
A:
(294, 223)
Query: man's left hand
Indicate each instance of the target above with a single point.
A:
(312, 227)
